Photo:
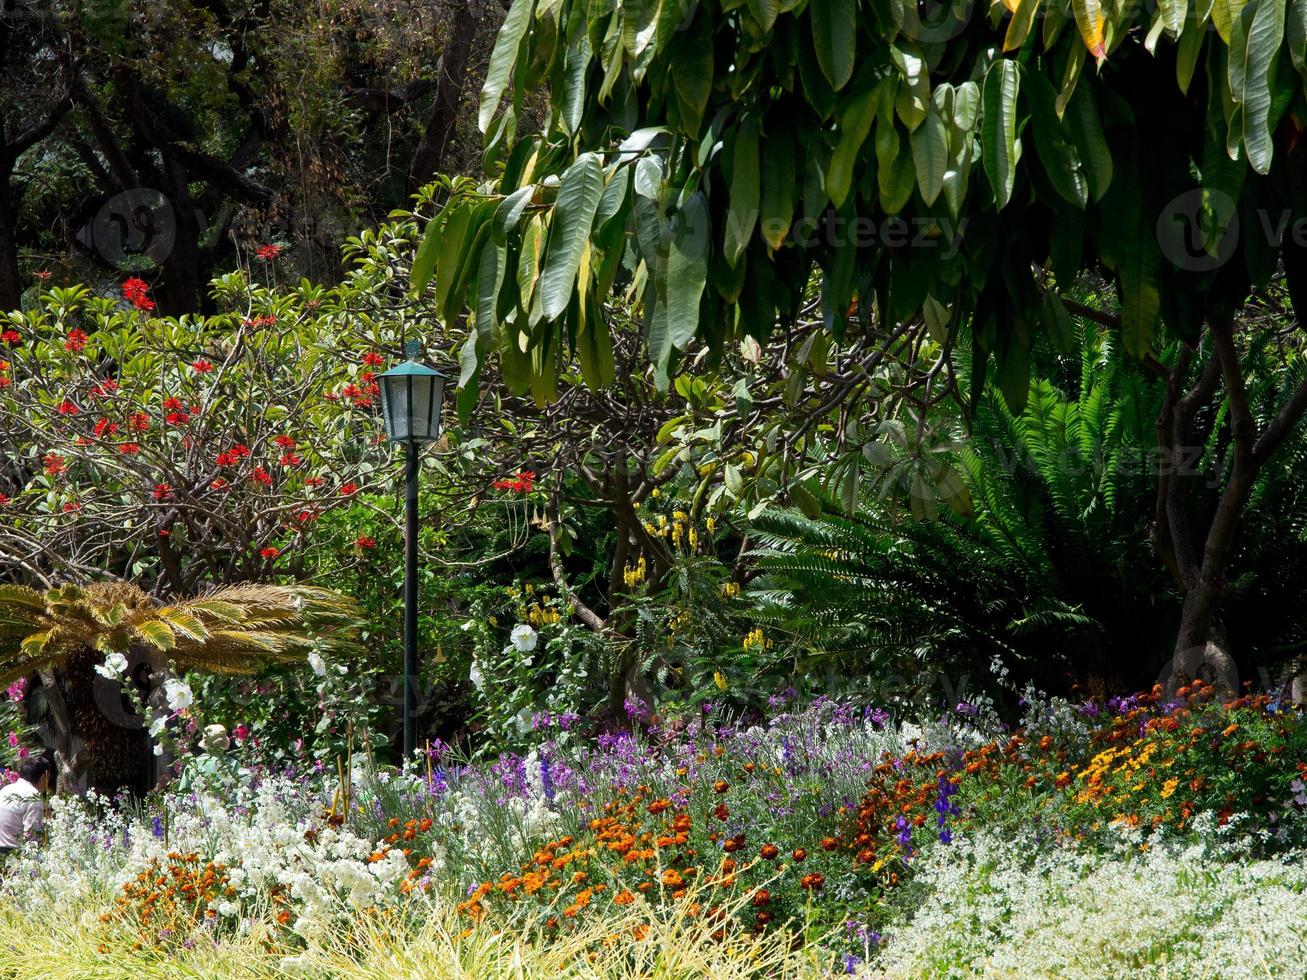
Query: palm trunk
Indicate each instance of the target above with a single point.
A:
(114, 741)
(66, 759)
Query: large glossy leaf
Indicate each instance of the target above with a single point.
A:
(746, 188)
(424, 259)
(1086, 131)
(855, 124)
(692, 67)
(1255, 39)
(834, 34)
(687, 268)
(1057, 152)
(594, 342)
(998, 141)
(510, 212)
(764, 12)
(778, 187)
(930, 156)
(1023, 18)
(574, 213)
(503, 58)
(1089, 19)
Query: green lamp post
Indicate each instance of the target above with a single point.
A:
(411, 396)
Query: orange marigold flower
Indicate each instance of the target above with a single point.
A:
(624, 897)
(721, 786)
(829, 843)
(799, 854)
(761, 897)
(813, 882)
(672, 878)
(769, 852)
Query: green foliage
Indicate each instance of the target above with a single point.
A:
(741, 145)
(1049, 570)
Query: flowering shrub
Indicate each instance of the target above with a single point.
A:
(832, 824)
(211, 445)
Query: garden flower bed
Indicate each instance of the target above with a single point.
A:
(1167, 835)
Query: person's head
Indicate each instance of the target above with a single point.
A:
(39, 771)
(215, 741)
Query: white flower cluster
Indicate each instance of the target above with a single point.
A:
(991, 906)
(266, 838)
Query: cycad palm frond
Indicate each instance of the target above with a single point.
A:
(237, 629)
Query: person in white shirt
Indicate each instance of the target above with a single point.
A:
(22, 803)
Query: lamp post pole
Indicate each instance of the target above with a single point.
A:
(411, 450)
(411, 397)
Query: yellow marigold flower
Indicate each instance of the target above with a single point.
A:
(1169, 787)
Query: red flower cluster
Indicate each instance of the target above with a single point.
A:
(202, 366)
(260, 475)
(233, 455)
(363, 541)
(104, 388)
(10, 337)
(524, 482)
(136, 291)
(67, 408)
(359, 395)
(162, 491)
(373, 359)
(349, 489)
(266, 320)
(269, 552)
(104, 427)
(76, 341)
(139, 422)
(55, 464)
(268, 252)
(129, 448)
(284, 441)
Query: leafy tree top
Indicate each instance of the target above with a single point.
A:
(712, 156)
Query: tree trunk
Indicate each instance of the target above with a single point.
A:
(442, 121)
(114, 742)
(1200, 648)
(11, 289)
(66, 760)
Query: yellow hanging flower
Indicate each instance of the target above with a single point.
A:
(719, 679)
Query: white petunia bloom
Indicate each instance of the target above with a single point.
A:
(524, 638)
(178, 693)
(318, 664)
(113, 667)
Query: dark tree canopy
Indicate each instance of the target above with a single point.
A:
(962, 167)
